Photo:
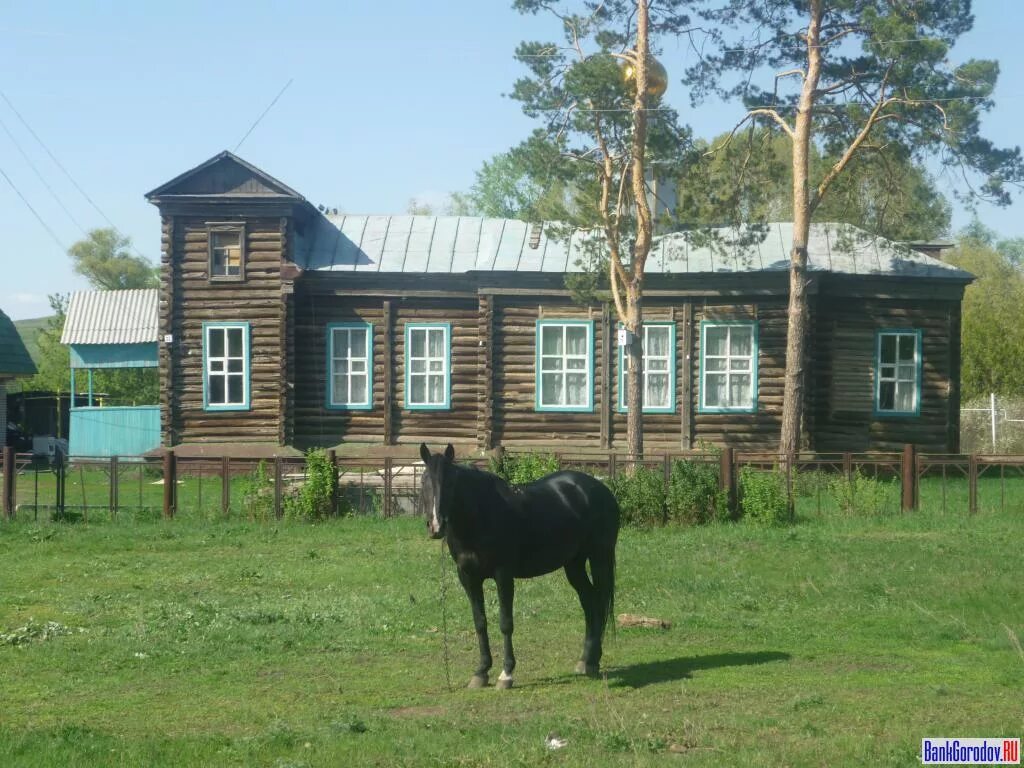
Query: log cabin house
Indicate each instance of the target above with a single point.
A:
(281, 324)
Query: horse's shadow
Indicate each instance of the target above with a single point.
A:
(681, 668)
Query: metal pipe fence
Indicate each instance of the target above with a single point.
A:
(212, 488)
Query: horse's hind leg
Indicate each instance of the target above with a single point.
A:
(576, 572)
(602, 567)
(474, 587)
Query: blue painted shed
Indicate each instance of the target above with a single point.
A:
(112, 329)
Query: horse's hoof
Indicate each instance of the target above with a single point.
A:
(590, 670)
(504, 682)
(477, 681)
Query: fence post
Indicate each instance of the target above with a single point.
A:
(848, 466)
(225, 485)
(332, 457)
(388, 461)
(727, 478)
(8, 487)
(278, 479)
(972, 484)
(613, 464)
(909, 481)
(115, 473)
(170, 483)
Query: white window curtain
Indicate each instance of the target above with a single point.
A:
(728, 353)
(658, 373)
(565, 365)
(427, 383)
(350, 366)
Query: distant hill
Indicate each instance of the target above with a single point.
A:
(29, 330)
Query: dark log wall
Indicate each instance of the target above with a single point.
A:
(845, 370)
(189, 299)
(315, 424)
(516, 420)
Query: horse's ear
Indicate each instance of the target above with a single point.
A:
(424, 453)
(449, 452)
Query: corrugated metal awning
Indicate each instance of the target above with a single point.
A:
(112, 317)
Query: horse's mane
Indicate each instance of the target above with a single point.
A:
(510, 493)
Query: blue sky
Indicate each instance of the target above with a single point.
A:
(389, 101)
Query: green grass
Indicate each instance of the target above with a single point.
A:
(841, 641)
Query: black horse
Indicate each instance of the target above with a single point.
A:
(502, 532)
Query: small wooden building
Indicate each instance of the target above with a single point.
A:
(283, 325)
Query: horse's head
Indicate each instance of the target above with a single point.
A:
(436, 488)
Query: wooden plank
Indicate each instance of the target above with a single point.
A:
(686, 379)
(485, 367)
(389, 384)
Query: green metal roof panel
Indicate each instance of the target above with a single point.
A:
(14, 358)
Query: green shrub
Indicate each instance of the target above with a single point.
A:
(862, 495)
(522, 468)
(641, 496)
(763, 496)
(693, 494)
(313, 501)
(258, 493)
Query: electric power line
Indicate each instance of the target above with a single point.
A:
(67, 173)
(34, 212)
(264, 114)
(40, 176)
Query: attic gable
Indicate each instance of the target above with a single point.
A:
(224, 176)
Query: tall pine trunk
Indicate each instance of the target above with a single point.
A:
(634, 353)
(803, 208)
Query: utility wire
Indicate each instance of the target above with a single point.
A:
(39, 176)
(67, 173)
(34, 212)
(264, 114)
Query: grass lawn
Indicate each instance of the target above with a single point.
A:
(836, 642)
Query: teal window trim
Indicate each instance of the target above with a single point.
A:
(246, 370)
(755, 349)
(329, 394)
(622, 407)
(447, 404)
(589, 407)
(877, 412)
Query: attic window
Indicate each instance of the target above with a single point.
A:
(227, 252)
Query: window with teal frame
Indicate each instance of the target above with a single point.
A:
(659, 390)
(226, 358)
(565, 366)
(728, 366)
(898, 372)
(428, 357)
(350, 366)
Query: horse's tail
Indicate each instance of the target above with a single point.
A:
(603, 571)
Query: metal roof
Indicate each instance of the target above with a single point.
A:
(457, 244)
(112, 317)
(14, 358)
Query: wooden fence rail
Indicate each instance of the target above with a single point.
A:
(390, 486)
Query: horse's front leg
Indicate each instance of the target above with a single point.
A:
(506, 593)
(474, 587)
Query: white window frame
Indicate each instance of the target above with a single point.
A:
(670, 360)
(366, 360)
(728, 371)
(222, 363)
(445, 360)
(588, 367)
(896, 378)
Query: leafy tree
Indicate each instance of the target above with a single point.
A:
(750, 179)
(869, 75)
(53, 371)
(105, 260)
(601, 131)
(992, 333)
